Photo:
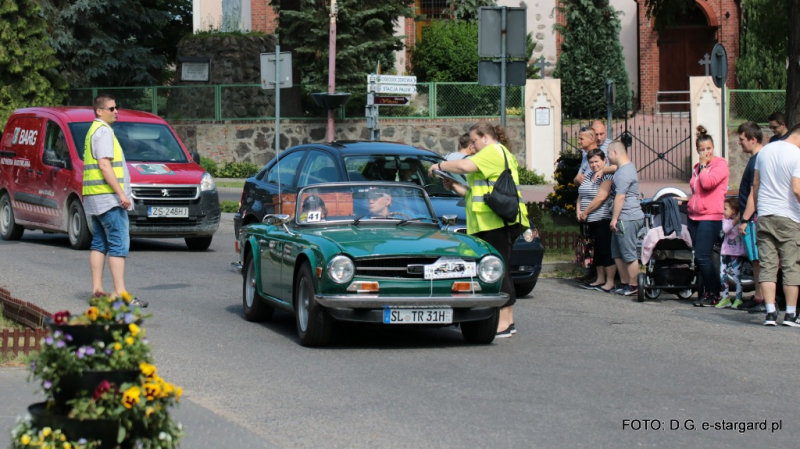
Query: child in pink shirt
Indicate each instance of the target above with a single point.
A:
(732, 254)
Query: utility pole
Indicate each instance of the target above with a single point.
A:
(332, 68)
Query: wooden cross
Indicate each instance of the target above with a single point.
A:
(542, 63)
(706, 62)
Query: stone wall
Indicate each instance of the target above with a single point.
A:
(255, 141)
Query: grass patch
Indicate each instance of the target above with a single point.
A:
(558, 255)
(229, 206)
(239, 184)
(8, 360)
(568, 273)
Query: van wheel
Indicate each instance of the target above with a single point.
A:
(77, 227)
(198, 243)
(9, 229)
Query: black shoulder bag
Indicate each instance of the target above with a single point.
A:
(503, 199)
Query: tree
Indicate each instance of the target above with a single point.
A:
(27, 63)
(115, 43)
(467, 10)
(448, 51)
(365, 37)
(664, 12)
(763, 45)
(590, 54)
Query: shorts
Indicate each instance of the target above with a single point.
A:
(778, 245)
(111, 232)
(750, 241)
(624, 242)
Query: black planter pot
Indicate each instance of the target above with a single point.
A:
(106, 430)
(86, 334)
(74, 385)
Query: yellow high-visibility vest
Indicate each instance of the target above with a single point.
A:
(480, 216)
(93, 181)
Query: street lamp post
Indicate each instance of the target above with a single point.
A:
(332, 67)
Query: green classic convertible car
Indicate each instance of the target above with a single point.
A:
(370, 253)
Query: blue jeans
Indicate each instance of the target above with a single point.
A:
(704, 235)
(111, 233)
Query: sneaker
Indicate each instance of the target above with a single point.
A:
(790, 320)
(504, 333)
(136, 302)
(710, 301)
(758, 308)
(588, 286)
(512, 329)
(699, 301)
(749, 304)
(737, 304)
(631, 290)
(724, 303)
(771, 319)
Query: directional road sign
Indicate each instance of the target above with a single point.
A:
(391, 79)
(392, 89)
(391, 101)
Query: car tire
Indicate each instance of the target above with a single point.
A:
(481, 332)
(78, 227)
(198, 243)
(314, 324)
(255, 309)
(9, 229)
(524, 289)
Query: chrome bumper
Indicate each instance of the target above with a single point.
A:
(378, 302)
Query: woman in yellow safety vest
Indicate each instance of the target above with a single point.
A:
(482, 170)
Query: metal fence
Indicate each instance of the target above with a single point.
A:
(251, 102)
(754, 105)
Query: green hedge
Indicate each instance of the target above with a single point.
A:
(229, 169)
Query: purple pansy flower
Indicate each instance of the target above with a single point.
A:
(90, 350)
(129, 318)
(48, 340)
(47, 384)
(60, 344)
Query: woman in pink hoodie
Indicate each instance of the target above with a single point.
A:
(709, 184)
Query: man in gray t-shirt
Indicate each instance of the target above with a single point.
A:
(627, 219)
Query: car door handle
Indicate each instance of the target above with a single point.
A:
(39, 172)
(29, 170)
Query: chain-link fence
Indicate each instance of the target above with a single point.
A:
(251, 102)
(754, 105)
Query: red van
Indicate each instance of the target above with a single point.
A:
(41, 177)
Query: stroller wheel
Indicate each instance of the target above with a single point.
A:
(685, 294)
(652, 293)
(642, 287)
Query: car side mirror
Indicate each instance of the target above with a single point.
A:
(196, 157)
(449, 220)
(278, 220)
(49, 158)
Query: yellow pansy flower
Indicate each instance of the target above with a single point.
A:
(92, 313)
(149, 411)
(47, 431)
(178, 393)
(25, 439)
(126, 297)
(148, 370)
(134, 329)
(117, 346)
(151, 390)
(129, 340)
(107, 315)
(67, 445)
(131, 397)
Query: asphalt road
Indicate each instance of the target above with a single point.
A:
(581, 365)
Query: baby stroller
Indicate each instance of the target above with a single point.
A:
(669, 260)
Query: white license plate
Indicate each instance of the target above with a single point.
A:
(168, 212)
(417, 316)
(446, 268)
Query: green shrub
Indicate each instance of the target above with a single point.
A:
(209, 165)
(530, 177)
(535, 216)
(229, 206)
(237, 170)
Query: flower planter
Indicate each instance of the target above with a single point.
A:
(106, 430)
(74, 385)
(86, 334)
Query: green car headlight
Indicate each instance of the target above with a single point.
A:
(341, 269)
(490, 269)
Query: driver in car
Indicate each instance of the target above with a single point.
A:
(378, 201)
(313, 209)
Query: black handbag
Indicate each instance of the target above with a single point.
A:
(503, 200)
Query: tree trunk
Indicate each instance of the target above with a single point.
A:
(793, 76)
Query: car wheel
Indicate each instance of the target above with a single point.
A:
(523, 289)
(641, 281)
(255, 309)
(198, 243)
(9, 229)
(314, 325)
(78, 227)
(481, 332)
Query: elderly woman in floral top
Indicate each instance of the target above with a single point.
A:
(594, 210)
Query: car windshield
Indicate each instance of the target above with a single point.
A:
(413, 169)
(363, 203)
(140, 142)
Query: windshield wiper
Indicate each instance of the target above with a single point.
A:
(406, 220)
(355, 222)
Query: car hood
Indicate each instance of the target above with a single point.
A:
(165, 172)
(362, 241)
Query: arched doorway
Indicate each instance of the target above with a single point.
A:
(681, 48)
